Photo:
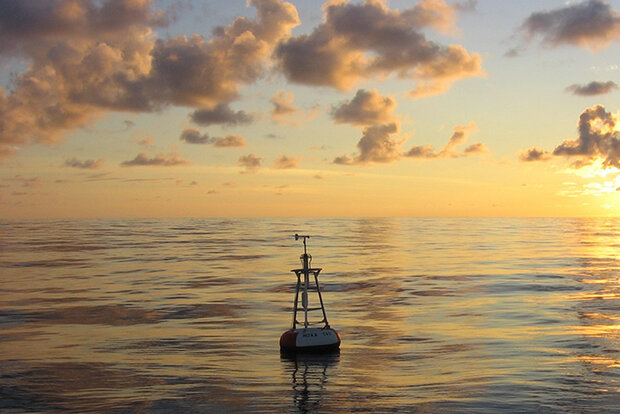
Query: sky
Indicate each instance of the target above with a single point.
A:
(269, 108)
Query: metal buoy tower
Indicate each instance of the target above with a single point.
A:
(304, 336)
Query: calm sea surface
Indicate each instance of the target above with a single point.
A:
(184, 316)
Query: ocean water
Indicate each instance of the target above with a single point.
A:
(184, 316)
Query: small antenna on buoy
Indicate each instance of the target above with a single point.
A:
(299, 236)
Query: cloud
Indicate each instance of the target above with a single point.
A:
(147, 141)
(221, 114)
(25, 182)
(593, 88)
(366, 108)
(162, 160)
(377, 145)
(534, 154)
(230, 141)
(282, 104)
(599, 138)
(422, 151)
(477, 148)
(88, 57)
(22, 22)
(193, 136)
(284, 112)
(459, 137)
(360, 41)
(250, 162)
(591, 24)
(86, 164)
(286, 162)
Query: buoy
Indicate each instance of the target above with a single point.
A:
(308, 337)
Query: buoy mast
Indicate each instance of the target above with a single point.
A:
(306, 259)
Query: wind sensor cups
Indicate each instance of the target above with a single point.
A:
(309, 336)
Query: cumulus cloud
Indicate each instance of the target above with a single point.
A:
(88, 57)
(230, 141)
(591, 24)
(377, 145)
(86, 164)
(284, 112)
(534, 154)
(359, 41)
(366, 108)
(597, 144)
(592, 88)
(458, 138)
(221, 114)
(161, 160)
(599, 138)
(286, 162)
(24, 21)
(282, 104)
(250, 162)
(193, 136)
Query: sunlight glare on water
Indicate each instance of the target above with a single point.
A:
(184, 315)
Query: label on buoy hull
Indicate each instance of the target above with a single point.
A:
(310, 338)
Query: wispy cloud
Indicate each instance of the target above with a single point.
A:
(193, 136)
(86, 164)
(159, 160)
(450, 150)
(285, 112)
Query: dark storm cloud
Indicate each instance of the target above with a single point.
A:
(88, 57)
(358, 41)
(592, 88)
(591, 24)
(221, 114)
(366, 108)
